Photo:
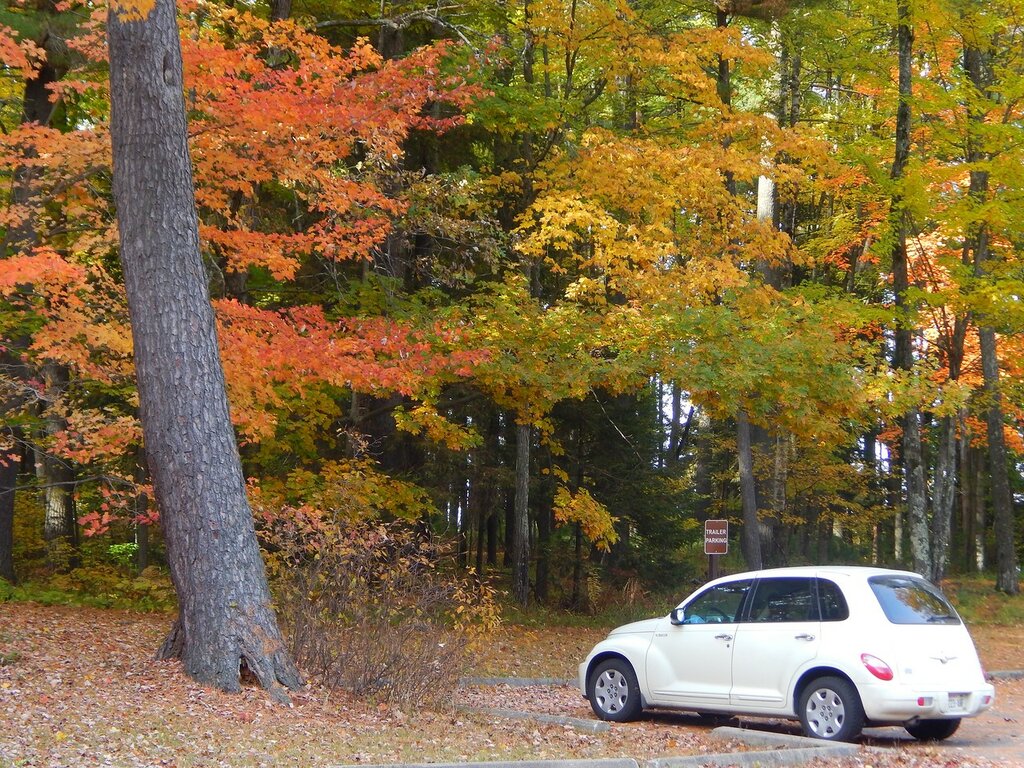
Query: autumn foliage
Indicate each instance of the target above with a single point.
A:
(425, 230)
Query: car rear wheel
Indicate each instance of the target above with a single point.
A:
(933, 730)
(614, 692)
(830, 709)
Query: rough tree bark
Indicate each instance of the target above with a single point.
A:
(225, 618)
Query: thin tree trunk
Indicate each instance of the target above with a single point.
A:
(8, 483)
(521, 518)
(903, 359)
(702, 473)
(577, 569)
(481, 501)
(56, 478)
(142, 514)
(943, 497)
(18, 237)
(463, 520)
(492, 538)
(917, 509)
(510, 526)
(972, 506)
(979, 509)
(750, 541)
(225, 616)
(1007, 578)
(542, 575)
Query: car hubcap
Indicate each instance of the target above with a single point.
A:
(825, 713)
(611, 691)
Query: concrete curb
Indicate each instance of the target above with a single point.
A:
(778, 757)
(769, 739)
(621, 762)
(592, 726)
(517, 681)
(1006, 674)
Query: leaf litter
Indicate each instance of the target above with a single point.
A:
(81, 687)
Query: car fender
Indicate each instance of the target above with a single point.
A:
(632, 646)
(820, 666)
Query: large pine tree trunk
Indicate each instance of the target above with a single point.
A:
(225, 616)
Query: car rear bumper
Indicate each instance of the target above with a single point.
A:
(888, 703)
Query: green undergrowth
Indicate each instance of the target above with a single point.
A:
(975, 598)
(978, 602)
(97, 586)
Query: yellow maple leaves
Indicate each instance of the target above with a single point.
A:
(132, 10)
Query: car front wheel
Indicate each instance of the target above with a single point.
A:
(830, 709)
(614, 692)
(933, 730)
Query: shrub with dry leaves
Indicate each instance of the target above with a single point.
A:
(372, 607)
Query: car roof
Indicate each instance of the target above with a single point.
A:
(859, 571)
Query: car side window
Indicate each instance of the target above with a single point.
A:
(831, 601)
(783, 599)
(718, 605)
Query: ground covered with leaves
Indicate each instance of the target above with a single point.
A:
(80, 687)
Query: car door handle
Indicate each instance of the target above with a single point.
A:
(723, 637)
(804, 636)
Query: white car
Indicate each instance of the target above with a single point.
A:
(836, 647)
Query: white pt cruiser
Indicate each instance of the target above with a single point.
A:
(836, 647)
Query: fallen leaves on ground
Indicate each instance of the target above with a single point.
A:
(80, 687)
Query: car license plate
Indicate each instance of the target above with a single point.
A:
(957, 702)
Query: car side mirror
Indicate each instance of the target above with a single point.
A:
(677, 617)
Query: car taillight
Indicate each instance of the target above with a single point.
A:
(876, 666)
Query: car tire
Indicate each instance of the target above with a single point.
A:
(614, 692)
(933, 730)
(830, 709)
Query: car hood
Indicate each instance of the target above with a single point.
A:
(637, 627)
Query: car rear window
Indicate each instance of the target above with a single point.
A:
(906, 600)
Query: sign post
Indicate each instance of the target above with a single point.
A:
(716, 543)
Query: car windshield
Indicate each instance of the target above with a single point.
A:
(906, 600)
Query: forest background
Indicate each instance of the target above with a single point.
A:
(550, 282)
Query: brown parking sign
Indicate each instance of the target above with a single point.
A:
(716, 537)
